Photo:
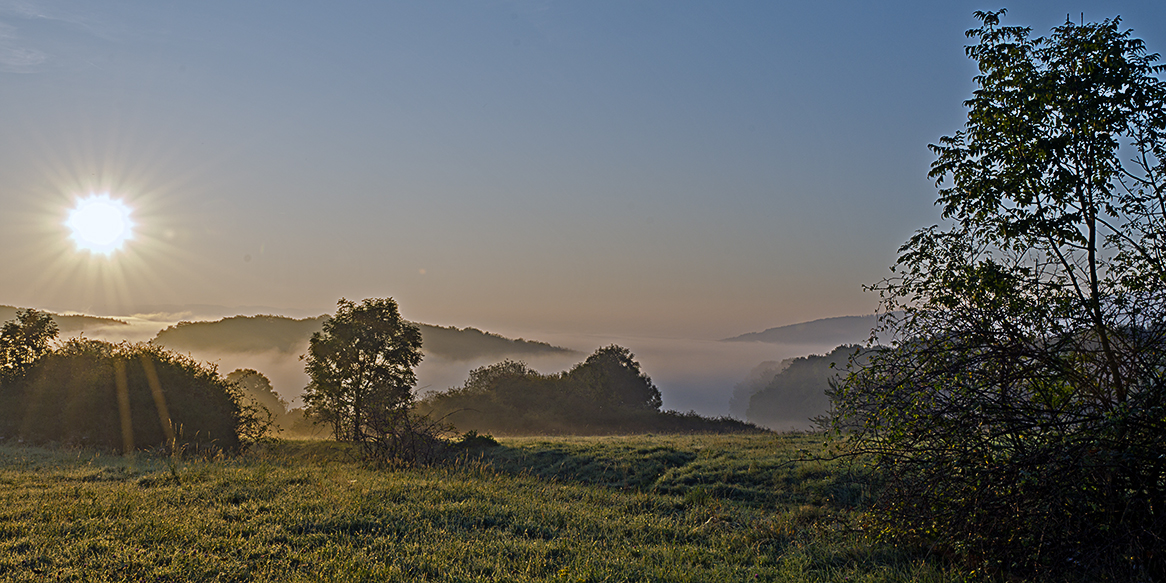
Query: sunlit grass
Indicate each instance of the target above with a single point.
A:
(665, 508)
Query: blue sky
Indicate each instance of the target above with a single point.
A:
(680, 169)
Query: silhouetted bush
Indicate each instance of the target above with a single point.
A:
(605, 394)
(472, 439)
(86, 392)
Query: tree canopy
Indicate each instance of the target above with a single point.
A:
(24, 340)
(1019, 409)
(360, 367)
(606, 391)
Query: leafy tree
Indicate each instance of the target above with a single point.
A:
(1019, 413)
(613, 383)
(360, 367)
(24, 340)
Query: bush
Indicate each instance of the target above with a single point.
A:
(605, 394)
(116, 396)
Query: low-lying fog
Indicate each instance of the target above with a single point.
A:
(696, 375)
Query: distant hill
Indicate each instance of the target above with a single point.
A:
(797, 393)
(71, 323)
(470, 343)
(758, 379)
(241, 334)
(210, 311)
(833, 331)
(288, 335)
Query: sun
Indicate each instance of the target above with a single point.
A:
(100, 224)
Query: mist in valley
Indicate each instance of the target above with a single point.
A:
(692, 375)
(697, 375)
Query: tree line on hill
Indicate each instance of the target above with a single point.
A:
(795, 392)
(288, 335)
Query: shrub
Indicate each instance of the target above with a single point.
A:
(95, 393)
(605, 394)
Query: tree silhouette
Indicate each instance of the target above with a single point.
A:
(1019, 414)
(24, 340)
(360, 367)
(613, 385)
(256, 387)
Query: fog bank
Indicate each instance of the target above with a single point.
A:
(692, 374)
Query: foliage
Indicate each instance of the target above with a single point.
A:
(530, 510)
(472, 440)
(122, 396)
(361, 371)
(402, 437)
(1020, 411)
(259, 395)
(606, 393)
(24, 340)
(613, 384)
(691, 422)
(360, 368)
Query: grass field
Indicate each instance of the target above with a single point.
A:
(643, 508)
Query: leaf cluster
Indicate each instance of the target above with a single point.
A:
(23, 340)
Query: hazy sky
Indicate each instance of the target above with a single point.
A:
(684, 169)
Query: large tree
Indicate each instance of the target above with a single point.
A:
(1019, 414)
(360, 367)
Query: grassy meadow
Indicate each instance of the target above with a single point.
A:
(642, 508)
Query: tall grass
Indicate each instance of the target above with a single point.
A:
(645, 508)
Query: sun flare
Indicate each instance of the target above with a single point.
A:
(100, 224)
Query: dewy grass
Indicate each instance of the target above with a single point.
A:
(644, 508)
